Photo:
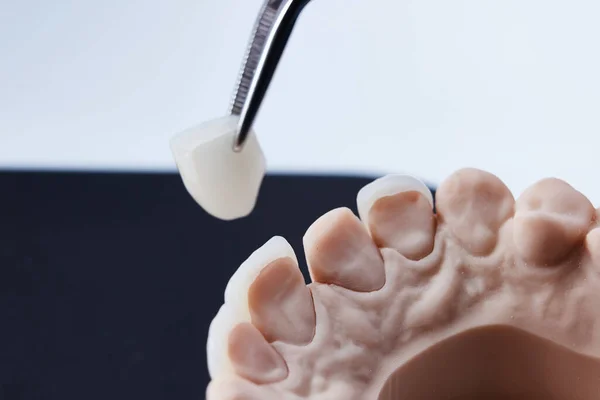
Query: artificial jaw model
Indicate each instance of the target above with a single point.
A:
(485, 298)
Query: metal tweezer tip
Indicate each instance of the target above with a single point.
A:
(270, 35)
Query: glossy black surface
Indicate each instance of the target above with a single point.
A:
(108, 282)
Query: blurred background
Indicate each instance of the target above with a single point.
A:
(109, 281)
(423, 87)
(110, 273)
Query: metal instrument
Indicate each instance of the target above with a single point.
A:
(270, 35)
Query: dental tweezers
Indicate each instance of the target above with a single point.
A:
(271, 32)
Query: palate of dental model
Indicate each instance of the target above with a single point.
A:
(487, 298)
(223, 182)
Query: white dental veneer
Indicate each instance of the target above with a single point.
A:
(223, 182)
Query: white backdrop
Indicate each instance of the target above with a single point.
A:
(417, 86)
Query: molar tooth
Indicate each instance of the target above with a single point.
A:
(224, 183)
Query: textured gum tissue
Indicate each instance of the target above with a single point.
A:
(457, 324)
(451, 294)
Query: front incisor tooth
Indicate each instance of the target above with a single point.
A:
(223, 182)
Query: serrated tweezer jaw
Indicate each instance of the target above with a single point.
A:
(270, 35)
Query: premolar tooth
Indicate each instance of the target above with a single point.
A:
(223, 182)
(398, 211)
(388, 185)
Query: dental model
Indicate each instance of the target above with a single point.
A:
(486, 299)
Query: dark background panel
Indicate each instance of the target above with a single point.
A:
(108, 282)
